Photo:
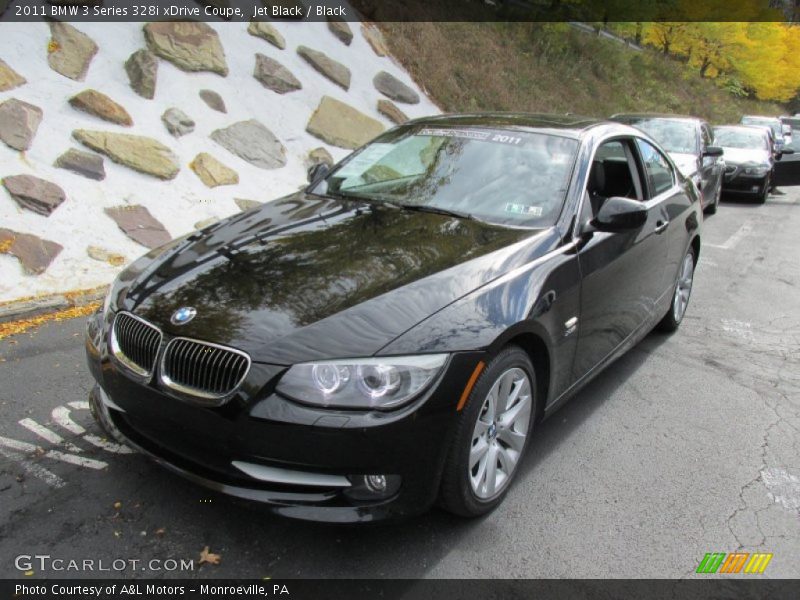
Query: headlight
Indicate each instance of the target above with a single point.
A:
(361, 383)
(758, 170)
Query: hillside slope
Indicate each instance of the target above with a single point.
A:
(83, 223)
(536, 67)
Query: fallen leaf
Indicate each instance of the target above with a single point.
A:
(160, 531)
(209, 557)
(117, 505)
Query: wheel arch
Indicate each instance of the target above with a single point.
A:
(537, 349)
(695, 245)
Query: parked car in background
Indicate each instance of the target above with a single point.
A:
(393, 333)
(787, 171)
(749, 159)
(787, 133)
(774, 123)
(690, 143)
(793, 123)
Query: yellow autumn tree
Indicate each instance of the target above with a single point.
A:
(771, 64)
(763, 56)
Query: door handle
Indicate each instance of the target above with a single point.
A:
(661, 226)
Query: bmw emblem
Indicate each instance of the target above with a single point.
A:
(183, 315)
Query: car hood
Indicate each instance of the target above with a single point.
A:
(740, 156)
(308, 278)
(686, 163)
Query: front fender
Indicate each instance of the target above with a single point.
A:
(539, 298)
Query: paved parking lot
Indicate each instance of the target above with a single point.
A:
(688, 444)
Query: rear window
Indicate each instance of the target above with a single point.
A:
(773, 124)
(740, 138)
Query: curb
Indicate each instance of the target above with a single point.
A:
(35, 305)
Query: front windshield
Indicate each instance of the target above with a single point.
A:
(679, 137)
(500, 176)
(773, 124)
(739, 138)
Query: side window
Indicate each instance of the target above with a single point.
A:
(658, 171)
(613, 173)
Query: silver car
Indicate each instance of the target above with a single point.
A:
(774, 123)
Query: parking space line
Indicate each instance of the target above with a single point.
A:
(80, 461)
(37, 471)
(61, 416)
(737, 237)
(48, 434)
(66, 421)
(42, 431)
(55, 454)
(112, 447)
(17, 445)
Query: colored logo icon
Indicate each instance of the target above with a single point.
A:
(183, 315)
(735, 562)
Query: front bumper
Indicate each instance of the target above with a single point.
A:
(320, 455)
(736, 180)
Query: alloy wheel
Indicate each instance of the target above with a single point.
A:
(684, 288)
(498, 438)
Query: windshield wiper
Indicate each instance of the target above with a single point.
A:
(436, 210)
(376, 200)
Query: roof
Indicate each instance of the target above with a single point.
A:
(742, 126)
(565, 124)
(765, 130)
(762, 117)
(654, 116)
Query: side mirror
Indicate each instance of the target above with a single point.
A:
(620, 214)
(317, 172)
(713, 151)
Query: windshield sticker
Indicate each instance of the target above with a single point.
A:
(480, 135)
(367, 158)
(470, 134)
(524, 209)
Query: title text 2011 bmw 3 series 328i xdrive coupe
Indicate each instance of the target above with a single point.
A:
(393, 334)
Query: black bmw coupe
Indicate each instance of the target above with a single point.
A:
(392, 335)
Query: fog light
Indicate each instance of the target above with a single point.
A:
(373, 487)
(375, 483)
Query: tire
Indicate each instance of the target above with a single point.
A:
(764, 193)
(672, 320)
(466, 488)
(712, 208)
